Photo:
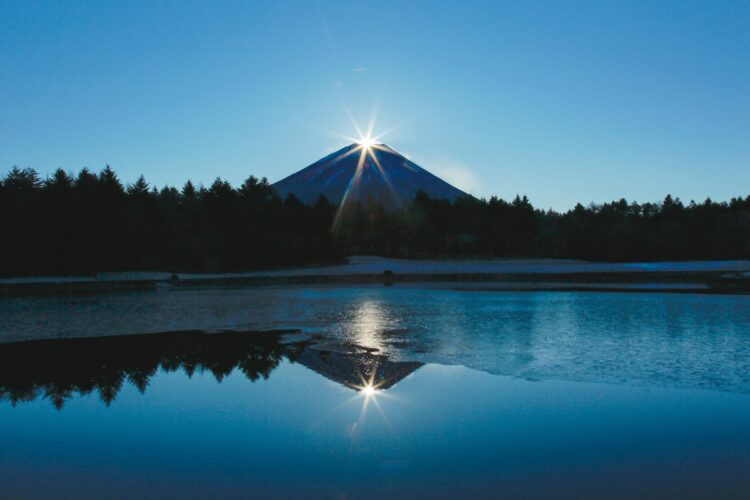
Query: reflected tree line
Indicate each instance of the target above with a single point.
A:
(90, 222)
(62, 368)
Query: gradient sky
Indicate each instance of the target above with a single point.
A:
(562, 101)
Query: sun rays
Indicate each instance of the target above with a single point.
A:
(370, 390)
(367, 145)
(366, 142)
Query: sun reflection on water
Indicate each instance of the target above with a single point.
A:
(366, 327)
(362, 363)
(368, 391)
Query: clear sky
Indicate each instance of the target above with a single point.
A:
(562, 101)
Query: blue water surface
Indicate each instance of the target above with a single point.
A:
(372, 392)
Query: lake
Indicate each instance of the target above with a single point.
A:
(373, 391)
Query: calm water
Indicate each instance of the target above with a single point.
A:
(371, 391)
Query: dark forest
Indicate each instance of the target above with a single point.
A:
(91, 222)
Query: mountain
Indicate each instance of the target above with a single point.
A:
(357, 369)
(376, 174)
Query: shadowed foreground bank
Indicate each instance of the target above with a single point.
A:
(89, 223)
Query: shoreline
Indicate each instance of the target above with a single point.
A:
(728, 277)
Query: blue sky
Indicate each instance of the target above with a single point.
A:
(562, 101)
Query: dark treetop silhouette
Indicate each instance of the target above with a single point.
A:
(90, 222)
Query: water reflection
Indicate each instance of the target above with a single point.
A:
(58, 370)
(367, 323)
(510, 403)
(658, 340)
(356, 368)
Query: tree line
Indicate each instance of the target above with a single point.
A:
(92, 222)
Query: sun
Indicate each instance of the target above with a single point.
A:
(366, 142)
(368, 390)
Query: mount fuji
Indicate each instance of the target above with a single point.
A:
(368, 174)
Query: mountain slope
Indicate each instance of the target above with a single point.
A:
(377, 174)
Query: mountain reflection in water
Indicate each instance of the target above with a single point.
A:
(520, 395)
(59, 369)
